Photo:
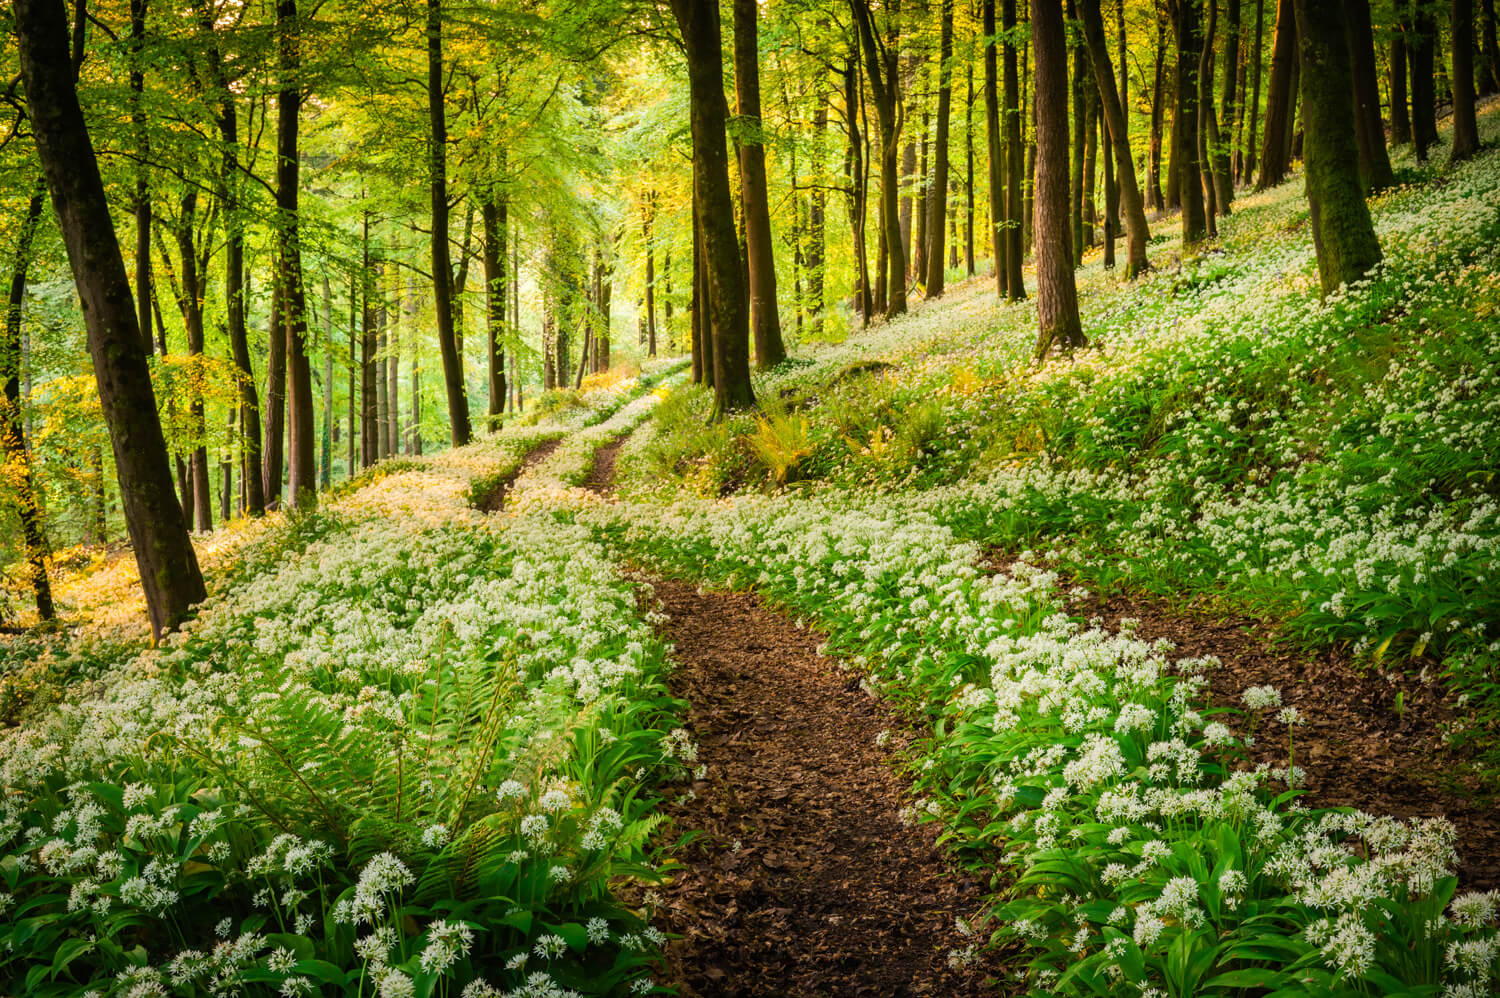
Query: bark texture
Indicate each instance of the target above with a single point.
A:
(765, 323)
(1057, 295)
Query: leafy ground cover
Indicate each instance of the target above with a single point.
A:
(404, 745)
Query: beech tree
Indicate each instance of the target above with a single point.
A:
(1136, 232)
(765, 322)
(1056, 294)
(158, 531)
(1343, 234)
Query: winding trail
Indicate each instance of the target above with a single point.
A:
(806, 881)
(494, 500)
(601, 478)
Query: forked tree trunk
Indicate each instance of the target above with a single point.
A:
(728, 306)
(158, 531)
(1342, 232)
(1056, 296)
(882, 73)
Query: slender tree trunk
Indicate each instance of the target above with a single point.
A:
(1015, 162)
(817, 222)
(1228, 107)
(190, 297)
(369, 382)
(226, 470)
(1215, 202)
(1155, 199)
(1185, 128)
(884, 89)
(1489, 47)
(969, 172)
(648, 211)
(1090, 153)
(1253, 111)
(1369, 132)
(12, 421)
(765, 323)
(393, 367)
(493, 209)
(1400, 116)
(1079, 136)
(994, 143)
(1056, 296)
(330, 421)
(229, 187)
(354, 364)
(937, 200)
(442, 267)
(1276, 150)
(728, 302)
(303, 488)
(1465, 123)
(142, 183)
(1342, 232)
(272, 454)
(158, 532)
(854, 172)
(1136, 232)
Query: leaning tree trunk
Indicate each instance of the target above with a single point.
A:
(1276, 151)
(728, 307)
(884, 88)
(303, 483)
(1185, 129)
(12, 421)
(158, 532)
(442, 266)
(1136, 232)
(1465, 124)
(1369, 132)
(1342, 232)
(1056, 295)
(937, 199)
(765, 323)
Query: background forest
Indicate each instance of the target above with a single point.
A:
(396, 394)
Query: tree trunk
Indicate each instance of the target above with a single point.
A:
(1420, 44)
(275, 443)
(937, 198)
(228, 192)
(492, 209)
(1185, 128)
(190, 297)
(728, 325)
(1015, 161)
(969, 172)
(1080, 124)
(1369, 132)
(1253, 110)
(1489, 47)
(393, 367)
(765, 323)
(854, 173)
(158, 532)
(369, 382)
(1056, 296)
(1223, 159)
(1342, 233)
(330, 421)
(1276, 150)
(817, 225)
(442, 267)
(303, 489)
(142, 184)
(1215, 201)
(1465, 124)
(884, 88)
(1400, 116)
(352, 358)
(1090, 152)
(1155, 199)
(994, 146)
(12, 421)
(1136, 232)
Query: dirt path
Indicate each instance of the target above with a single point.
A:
(494, 500)
(806, 883)
(601, 478)
(1359, 750)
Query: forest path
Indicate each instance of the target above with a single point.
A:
(601, 480)
(1370, 741)
(494, 500)
(806, 881)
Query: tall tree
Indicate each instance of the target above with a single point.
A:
(1136, 232)
(1343, 235)
(1187, 33)
(1400, 115)
(1015, 159)
(728, 309)
(765, 323)
(493, 210)
(1369, 133)
(1276, 150)
(1253, 110)
(163, 550)
(937, 200)
(1465, 124)
(1421, 43)
(995, 145)
(442, 266)
(1056, 295)
(302, 463)
(882, 72)
(22, 484)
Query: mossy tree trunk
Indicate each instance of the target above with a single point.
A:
(1342, 232)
